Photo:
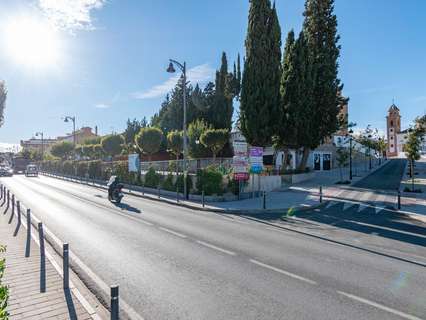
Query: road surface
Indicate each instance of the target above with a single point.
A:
(387, 177)
(176, 263)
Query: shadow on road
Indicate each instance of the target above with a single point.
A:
(386, 224)
(126, 207)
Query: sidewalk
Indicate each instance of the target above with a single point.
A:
(415, 202)
(35, 284)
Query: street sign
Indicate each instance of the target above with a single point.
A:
(134, 163)
(241, 176)
(240, 148)
(256, 159)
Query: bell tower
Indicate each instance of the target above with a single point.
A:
(393, 128)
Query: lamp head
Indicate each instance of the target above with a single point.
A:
(171, 68)
(66, 119)
(351, 131)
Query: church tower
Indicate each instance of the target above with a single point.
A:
(393, 128)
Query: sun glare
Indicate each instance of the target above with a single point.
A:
(32, 42)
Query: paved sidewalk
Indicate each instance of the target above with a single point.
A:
(27, 276)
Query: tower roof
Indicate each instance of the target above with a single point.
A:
(393, 107)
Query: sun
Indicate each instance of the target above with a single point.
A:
(32, 42)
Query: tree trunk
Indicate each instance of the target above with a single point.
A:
(303, 162)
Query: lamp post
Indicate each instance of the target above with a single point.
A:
(171, 69)
(68, 119)
(369, 151)
(42, 143)
(350, 154)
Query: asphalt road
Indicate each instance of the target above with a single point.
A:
(387, 177)
(175, 263)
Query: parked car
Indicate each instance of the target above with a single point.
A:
(6, 171)
(31, 170)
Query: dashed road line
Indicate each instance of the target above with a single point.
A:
(379, 306)
(216, 248)
(173, 232)
(289, 274)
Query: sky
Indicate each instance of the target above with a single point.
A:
(105, 61)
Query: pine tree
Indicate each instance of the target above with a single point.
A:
(260, 96)
(320, 29)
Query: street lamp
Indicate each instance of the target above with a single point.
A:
(171, 69)
(350, 153)
(42, 143)
(68, 119)
(369, 150)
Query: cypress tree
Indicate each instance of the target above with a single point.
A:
(260, 96)
(320, 29)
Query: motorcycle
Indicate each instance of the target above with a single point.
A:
(114, 190)
(116, 194)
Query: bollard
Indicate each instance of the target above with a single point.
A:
(159, 196)
(13, 204)
(143, 189)
(28, 246)
(65, 265)
(114, 303)
(399, 199)
(1, 191)
(320, 194)
(18, 209)
(8, 198)
(264, 200)
(202, 199)
(42, 258)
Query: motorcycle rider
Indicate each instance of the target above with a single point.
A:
(112, 184)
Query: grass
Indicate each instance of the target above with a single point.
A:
(4, 290)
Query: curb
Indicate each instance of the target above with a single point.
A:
(198, 207)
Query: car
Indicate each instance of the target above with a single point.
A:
(31, 171)
(6, 171)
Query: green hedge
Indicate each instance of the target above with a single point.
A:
(152, 178)
(4, 290)
(210, 180)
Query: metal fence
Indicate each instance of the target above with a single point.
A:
(224, 164)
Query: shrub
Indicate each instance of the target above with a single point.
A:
(233, 186)
(82, 168)
(210, 180)
(168, 183)
(152, 178)
(68, 167)
(179, 183)
(4, 290)
(95, 169)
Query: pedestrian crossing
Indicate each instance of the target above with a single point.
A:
(360, 201)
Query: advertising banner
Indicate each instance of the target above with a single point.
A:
(256, 159)
(134, 163)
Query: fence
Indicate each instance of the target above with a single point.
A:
(18, 209)
(193, 165)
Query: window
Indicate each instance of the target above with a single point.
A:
(391, 130)
(391, 123)
(392, 138)
(391, 145)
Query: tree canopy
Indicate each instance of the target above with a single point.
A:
(175, 142)
(215, 140)
(149, 140)
(63, 149)
(112, 144)
(260, 89)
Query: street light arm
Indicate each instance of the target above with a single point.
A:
(180, 65)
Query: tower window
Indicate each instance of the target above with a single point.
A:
(391, 145)
(391, 123)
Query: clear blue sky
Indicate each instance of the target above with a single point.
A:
(107, 63)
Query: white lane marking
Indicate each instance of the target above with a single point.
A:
(146, 222)
(361, 207)
(331, 203)
(378, 209)
(173, 232)
(379, 306)
(347, 205)
(216, 248)
(289, 274)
